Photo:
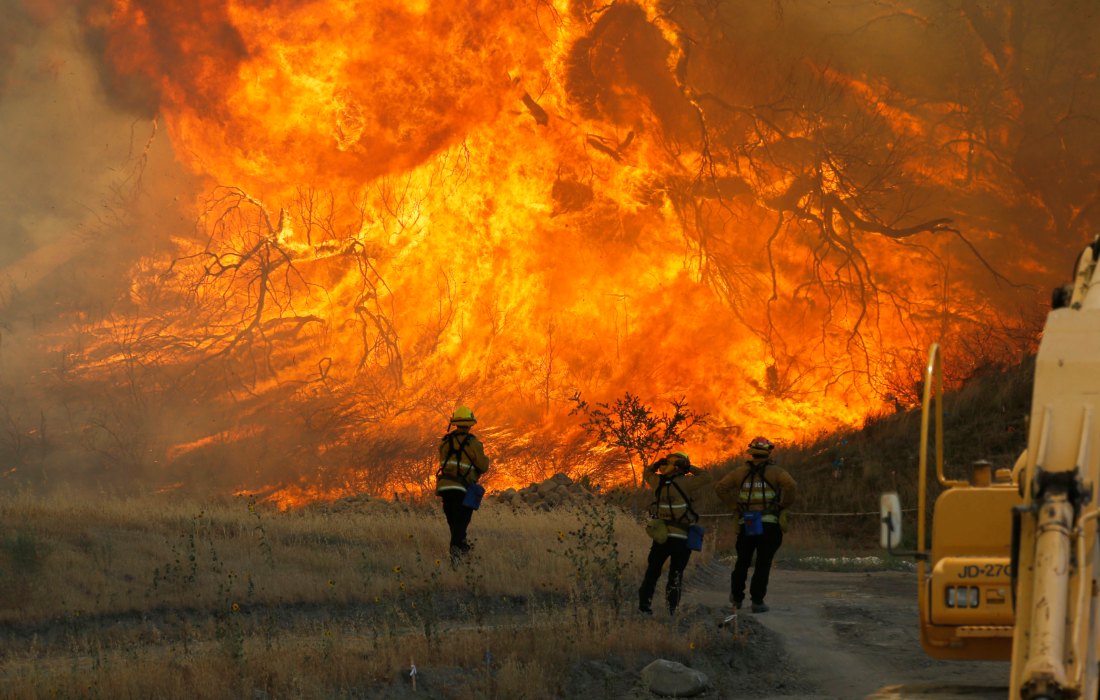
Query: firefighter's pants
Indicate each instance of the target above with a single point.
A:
(765, 546)
(458, 516)
(677, 550)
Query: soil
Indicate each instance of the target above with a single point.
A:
(836, 635)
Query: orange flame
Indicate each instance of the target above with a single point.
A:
(503, 205)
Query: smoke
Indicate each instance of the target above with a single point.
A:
(86, 190)
(76, 174)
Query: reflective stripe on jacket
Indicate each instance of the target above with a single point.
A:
(772, 491)
(757, 494)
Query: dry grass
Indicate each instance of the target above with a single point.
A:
(151, 553)
(155, 597)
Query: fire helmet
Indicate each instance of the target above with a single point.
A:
(463, 416)
(674, 461)
(761, 447)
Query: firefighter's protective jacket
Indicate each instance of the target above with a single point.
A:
(675, 493)
(462, 461)
(757, 485)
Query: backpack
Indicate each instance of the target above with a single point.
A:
(664, 483)
(459, 452)
(758, 471)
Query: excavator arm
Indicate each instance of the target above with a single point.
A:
(1054, 644)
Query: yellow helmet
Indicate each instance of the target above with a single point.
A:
(674, 461)
(463, 416)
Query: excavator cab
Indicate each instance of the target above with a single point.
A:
(965, 577)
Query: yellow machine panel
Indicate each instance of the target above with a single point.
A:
(971, 591)
(971, 521)
(966, 605)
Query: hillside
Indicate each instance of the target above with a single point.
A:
(845, 472)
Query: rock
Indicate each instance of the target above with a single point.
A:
(674, 680)
(548, 486)
(559, 491)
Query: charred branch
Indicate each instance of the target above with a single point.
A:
(536, 110)
(604, 146)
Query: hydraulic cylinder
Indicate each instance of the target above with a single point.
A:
(1044, 674)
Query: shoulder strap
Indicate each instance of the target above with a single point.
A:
(775, 489)
(686, 499)
(665, 482)
(460, 452)
(755, 470)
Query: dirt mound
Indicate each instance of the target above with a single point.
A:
(556, 492)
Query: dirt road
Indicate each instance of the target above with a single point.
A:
(842, 635)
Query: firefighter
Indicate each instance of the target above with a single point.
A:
(673, 515)
(462, 461)
(759, 492)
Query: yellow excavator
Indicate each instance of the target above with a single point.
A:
(1013, 569)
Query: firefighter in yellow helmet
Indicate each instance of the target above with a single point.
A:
(462, 461)
(758, 491)
(673, 515)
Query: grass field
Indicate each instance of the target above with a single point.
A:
(151, 597)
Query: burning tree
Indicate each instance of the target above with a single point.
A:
(628, 424)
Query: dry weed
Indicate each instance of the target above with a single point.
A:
(162, 597)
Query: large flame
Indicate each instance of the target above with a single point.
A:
(415, 204)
